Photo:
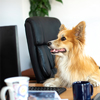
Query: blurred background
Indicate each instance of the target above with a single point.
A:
(70, 13)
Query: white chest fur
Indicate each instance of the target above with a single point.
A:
(63, 71)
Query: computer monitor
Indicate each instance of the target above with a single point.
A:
(9, 53)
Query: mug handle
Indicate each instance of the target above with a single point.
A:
(4, 90)
(91, 89)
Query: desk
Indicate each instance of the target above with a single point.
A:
(68, 93)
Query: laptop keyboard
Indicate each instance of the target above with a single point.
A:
(59, 90)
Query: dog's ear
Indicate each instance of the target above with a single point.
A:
(62, 27)
(80, 29)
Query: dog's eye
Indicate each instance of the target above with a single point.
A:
(63, 39)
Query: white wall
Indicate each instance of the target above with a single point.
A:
(70, 13)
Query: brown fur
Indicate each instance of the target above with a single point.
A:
(73, 65)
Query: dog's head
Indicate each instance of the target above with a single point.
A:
(68, 40)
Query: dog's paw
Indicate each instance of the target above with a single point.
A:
(52, 82)
(96, 84)
(49, 84)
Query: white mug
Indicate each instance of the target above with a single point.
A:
(17, 87)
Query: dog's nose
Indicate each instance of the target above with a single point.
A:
(49, 43)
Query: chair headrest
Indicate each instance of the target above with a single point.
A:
(43, 27)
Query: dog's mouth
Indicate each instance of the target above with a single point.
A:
(57, 50)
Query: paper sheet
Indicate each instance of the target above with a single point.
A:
(44, 95)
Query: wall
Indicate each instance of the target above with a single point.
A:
(14, 12)
(70, 13)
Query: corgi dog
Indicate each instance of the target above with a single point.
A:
(70, 60)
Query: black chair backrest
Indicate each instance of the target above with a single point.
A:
(40, 30)
(9, 53)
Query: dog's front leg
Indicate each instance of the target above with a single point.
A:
(52, 82)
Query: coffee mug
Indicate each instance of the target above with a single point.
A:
(17, 87)
(82, 90)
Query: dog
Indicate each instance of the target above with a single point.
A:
(70, 59)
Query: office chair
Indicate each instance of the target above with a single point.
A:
(9, 53)
(40, 30)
